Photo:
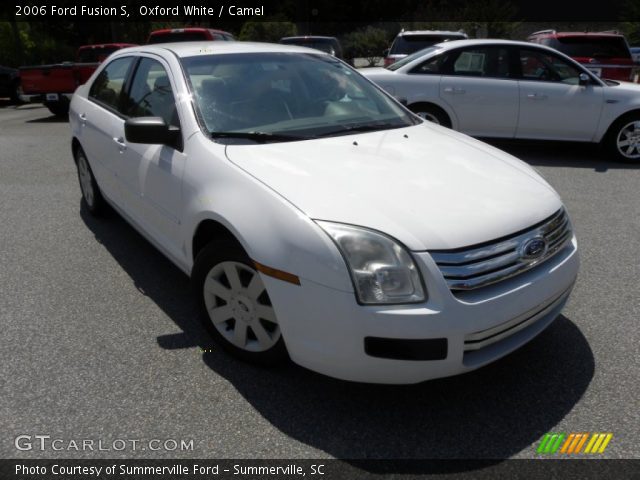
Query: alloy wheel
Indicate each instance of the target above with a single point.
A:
(239, 307)
(628, 140)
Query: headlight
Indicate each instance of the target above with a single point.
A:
(383, 272)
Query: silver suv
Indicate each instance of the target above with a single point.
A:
(409, 42)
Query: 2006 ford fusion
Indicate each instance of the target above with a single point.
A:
(316, 216)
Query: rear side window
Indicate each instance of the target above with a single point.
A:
(482, 62)
(150, 94)
(108, 85)
(432, 66)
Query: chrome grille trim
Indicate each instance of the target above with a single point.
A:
(475, 267)
(484, 338)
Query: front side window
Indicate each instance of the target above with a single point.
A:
(295, 94)
(108, 85)
(544, 66)
(150, 94)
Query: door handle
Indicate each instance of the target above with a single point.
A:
(83, 119)
(536, 96)
(454, 91)
(122, 146)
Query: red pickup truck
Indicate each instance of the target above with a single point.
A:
(188, 34)
(54, 85)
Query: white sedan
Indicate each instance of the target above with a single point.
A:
(508, 89)
(318, 218)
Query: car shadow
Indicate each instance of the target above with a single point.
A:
(561, 154)
(492, 413)
(49, 119)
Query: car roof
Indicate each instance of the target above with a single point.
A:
(486, 41)
(307, 37)
(576, 34)
(211, 47)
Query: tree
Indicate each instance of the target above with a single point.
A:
(369, 43)
(269, 31)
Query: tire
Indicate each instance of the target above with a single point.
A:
(431, 113)
(59, 109)
(623, 139)
(14, 94)
(234, 305)
(91, 196)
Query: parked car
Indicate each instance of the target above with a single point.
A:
(9, 83)
(508, 89)
(319, 218)
(606, 54)
(53, 85)
(329, 45)
(188, 34)
(410, 42)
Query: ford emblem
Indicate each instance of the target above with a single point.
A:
(533, 248)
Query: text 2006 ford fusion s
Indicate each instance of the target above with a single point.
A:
(317, 217)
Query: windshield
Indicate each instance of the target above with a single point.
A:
(410, 58)
(603, 47)
(407, 44)
(286, 96)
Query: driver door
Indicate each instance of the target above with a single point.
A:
(553, 105)
(151, 175)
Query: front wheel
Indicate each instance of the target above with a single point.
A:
(235, 307)
(91, 195)
(623, 139)
(59, 109)
(431, 113)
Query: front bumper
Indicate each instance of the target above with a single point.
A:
(46, 97)
(325, 329)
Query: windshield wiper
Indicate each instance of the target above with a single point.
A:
(260, 137)
(362, 127)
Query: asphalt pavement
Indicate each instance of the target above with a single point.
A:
(100, 339)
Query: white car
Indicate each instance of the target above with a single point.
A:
(316, 216)
(508, 89)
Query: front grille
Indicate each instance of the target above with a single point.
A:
(484, 338)
(482, 265)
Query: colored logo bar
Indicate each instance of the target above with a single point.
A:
(574, 443)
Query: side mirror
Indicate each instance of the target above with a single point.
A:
(584, 79)
(152, 130)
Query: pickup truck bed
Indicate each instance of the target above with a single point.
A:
(53, 85)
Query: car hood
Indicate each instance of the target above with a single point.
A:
(427, 186)
(622, 90)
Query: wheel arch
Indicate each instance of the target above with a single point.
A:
(75, 146)
(629, 113)
(209, 230)
(426, 103)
